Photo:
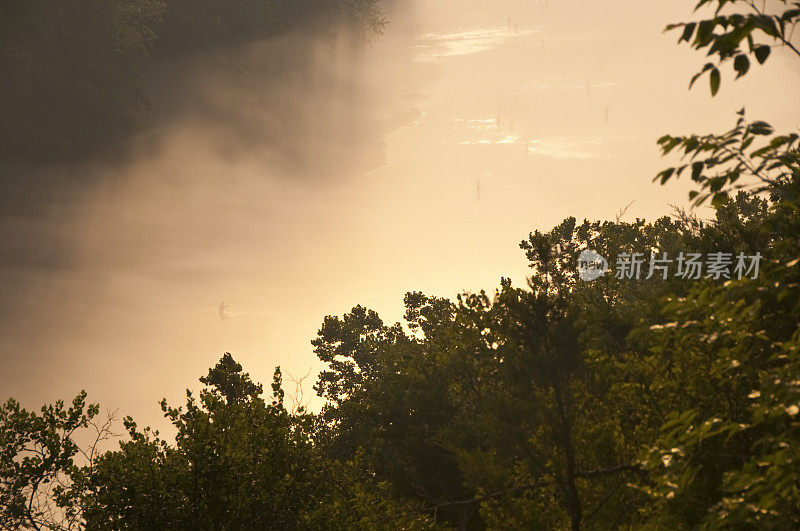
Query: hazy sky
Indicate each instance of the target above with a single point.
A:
(369, 173)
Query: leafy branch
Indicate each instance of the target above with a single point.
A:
(724, 36)
(721, 164)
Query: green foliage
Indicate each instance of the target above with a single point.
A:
(387, 398)
(237, 462)
(530, 406)
(720, 164)
(36, 458)
(725, 35)
(727, 455)
(234, 385)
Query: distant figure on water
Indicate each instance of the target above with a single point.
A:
(606, 111)
(479, 190)
(222, 308)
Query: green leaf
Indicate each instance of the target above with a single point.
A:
(665, 175)
(719, 199)
(790, 14)
(741, 64)
(761, 53)
(714, 80)
(707, 67)
(704, 33)
(688, 30)
(697, 169)
(767, 24)
(760, 128)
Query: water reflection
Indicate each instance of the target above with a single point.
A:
(435, 47)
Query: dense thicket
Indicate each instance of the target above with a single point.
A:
(657, 403)
(74, 71)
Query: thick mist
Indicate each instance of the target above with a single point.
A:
(238, 189)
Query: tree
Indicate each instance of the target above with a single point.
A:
(726, 456)
(238, 461)
(386, 400)
(37, 460)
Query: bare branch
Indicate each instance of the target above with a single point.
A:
(624, 210)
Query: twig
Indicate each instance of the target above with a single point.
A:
(622, 211)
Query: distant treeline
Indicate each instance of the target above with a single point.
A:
(74, 72)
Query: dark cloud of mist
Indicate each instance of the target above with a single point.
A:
(291, 100)
(95, 252)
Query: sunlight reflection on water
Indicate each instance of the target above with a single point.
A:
(433, 47)
(496, 132)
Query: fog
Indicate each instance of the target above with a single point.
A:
(292, 179)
